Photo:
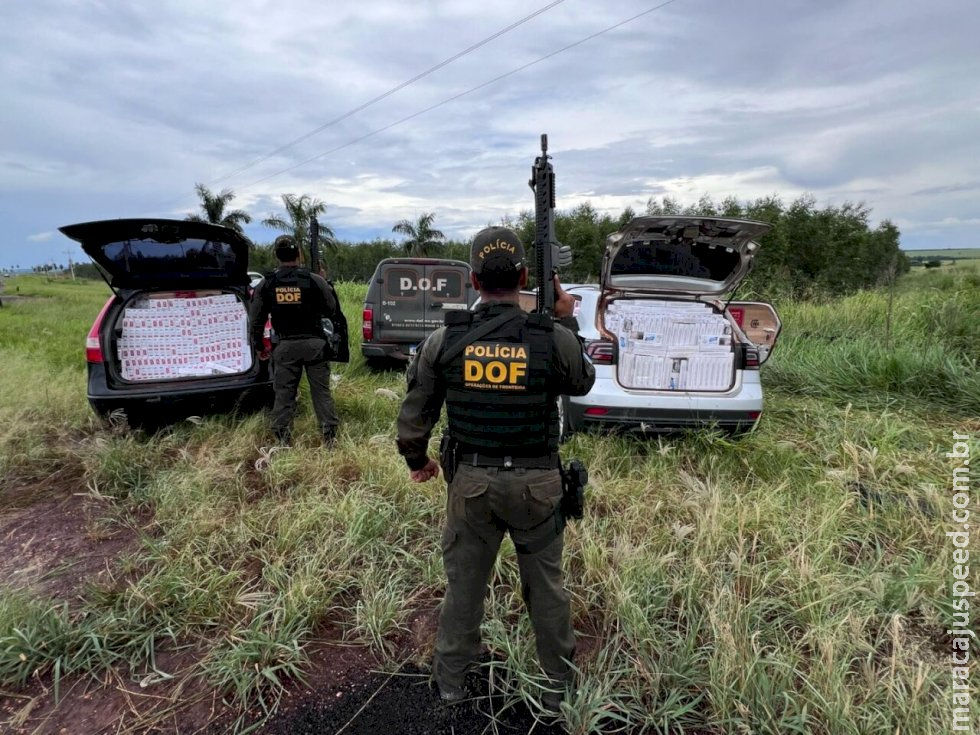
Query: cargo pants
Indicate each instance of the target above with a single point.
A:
(483, 502)
(290, 357)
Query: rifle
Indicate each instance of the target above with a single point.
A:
(314, 245)
(335, 330)
(549, 254)
(543, 184)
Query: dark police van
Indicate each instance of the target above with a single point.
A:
(407, 300)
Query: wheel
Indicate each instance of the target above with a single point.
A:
(146, 420)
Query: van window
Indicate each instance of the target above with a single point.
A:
(447, 284)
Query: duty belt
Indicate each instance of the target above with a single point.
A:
(476, 459)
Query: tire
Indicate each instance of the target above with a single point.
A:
(253, 401)
(145, 420)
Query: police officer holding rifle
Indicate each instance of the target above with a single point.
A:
(499, 372)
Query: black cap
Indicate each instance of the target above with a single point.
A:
(496, 249)
(285, 248)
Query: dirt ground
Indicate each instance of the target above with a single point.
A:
(54, 541)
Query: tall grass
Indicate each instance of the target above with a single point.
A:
(919, 349)
(791, 581)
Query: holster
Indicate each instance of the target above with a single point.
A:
(448, 456)
(331, 350)
(574, 478)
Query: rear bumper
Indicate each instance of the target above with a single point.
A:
(385, 351)
(609, 406)
(198, 396)
(661, 420)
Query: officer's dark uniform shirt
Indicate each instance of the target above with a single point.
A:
(296, 300)
(571, 373)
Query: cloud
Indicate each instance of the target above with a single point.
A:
(41, 237)
(118, 110)
(948, 189)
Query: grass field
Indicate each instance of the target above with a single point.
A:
(794, 581)
(958, 253)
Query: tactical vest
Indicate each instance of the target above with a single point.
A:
(498, 399)
(296, 304)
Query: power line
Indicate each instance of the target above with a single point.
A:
(461, 94)
(390, 92)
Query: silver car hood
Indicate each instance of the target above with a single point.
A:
(690, 255)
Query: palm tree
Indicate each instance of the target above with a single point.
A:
(213, 207)
(421, 237)
(301, 210)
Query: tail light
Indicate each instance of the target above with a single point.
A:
(93, 343)
(751, 361)
(367, 325)
(601, 351)
(267, 336)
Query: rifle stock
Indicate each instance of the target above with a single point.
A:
(543, 184)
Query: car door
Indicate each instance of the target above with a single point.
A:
(447, 288)
(402, 312)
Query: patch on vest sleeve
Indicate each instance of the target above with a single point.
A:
(496, 366)
(289, 295)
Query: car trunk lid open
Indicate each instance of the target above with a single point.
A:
(655, 273)
(164, 254)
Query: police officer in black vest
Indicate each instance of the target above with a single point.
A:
(297, 301)
(499, 375)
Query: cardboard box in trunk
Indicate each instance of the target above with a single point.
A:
(166, 338)
(666, 345)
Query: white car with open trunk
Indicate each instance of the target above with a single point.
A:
(670, 351)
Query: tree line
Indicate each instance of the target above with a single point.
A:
(810, 249)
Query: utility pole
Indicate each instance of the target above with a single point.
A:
(71, 265)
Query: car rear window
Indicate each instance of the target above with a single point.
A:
(179, 256)
(404, 283)
(700, 260)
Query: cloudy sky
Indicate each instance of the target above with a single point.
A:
(116, 109)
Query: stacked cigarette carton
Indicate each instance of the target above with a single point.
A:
(166, 338)
(671, 345)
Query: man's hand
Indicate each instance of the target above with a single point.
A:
(425, 474)
(564, 302)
